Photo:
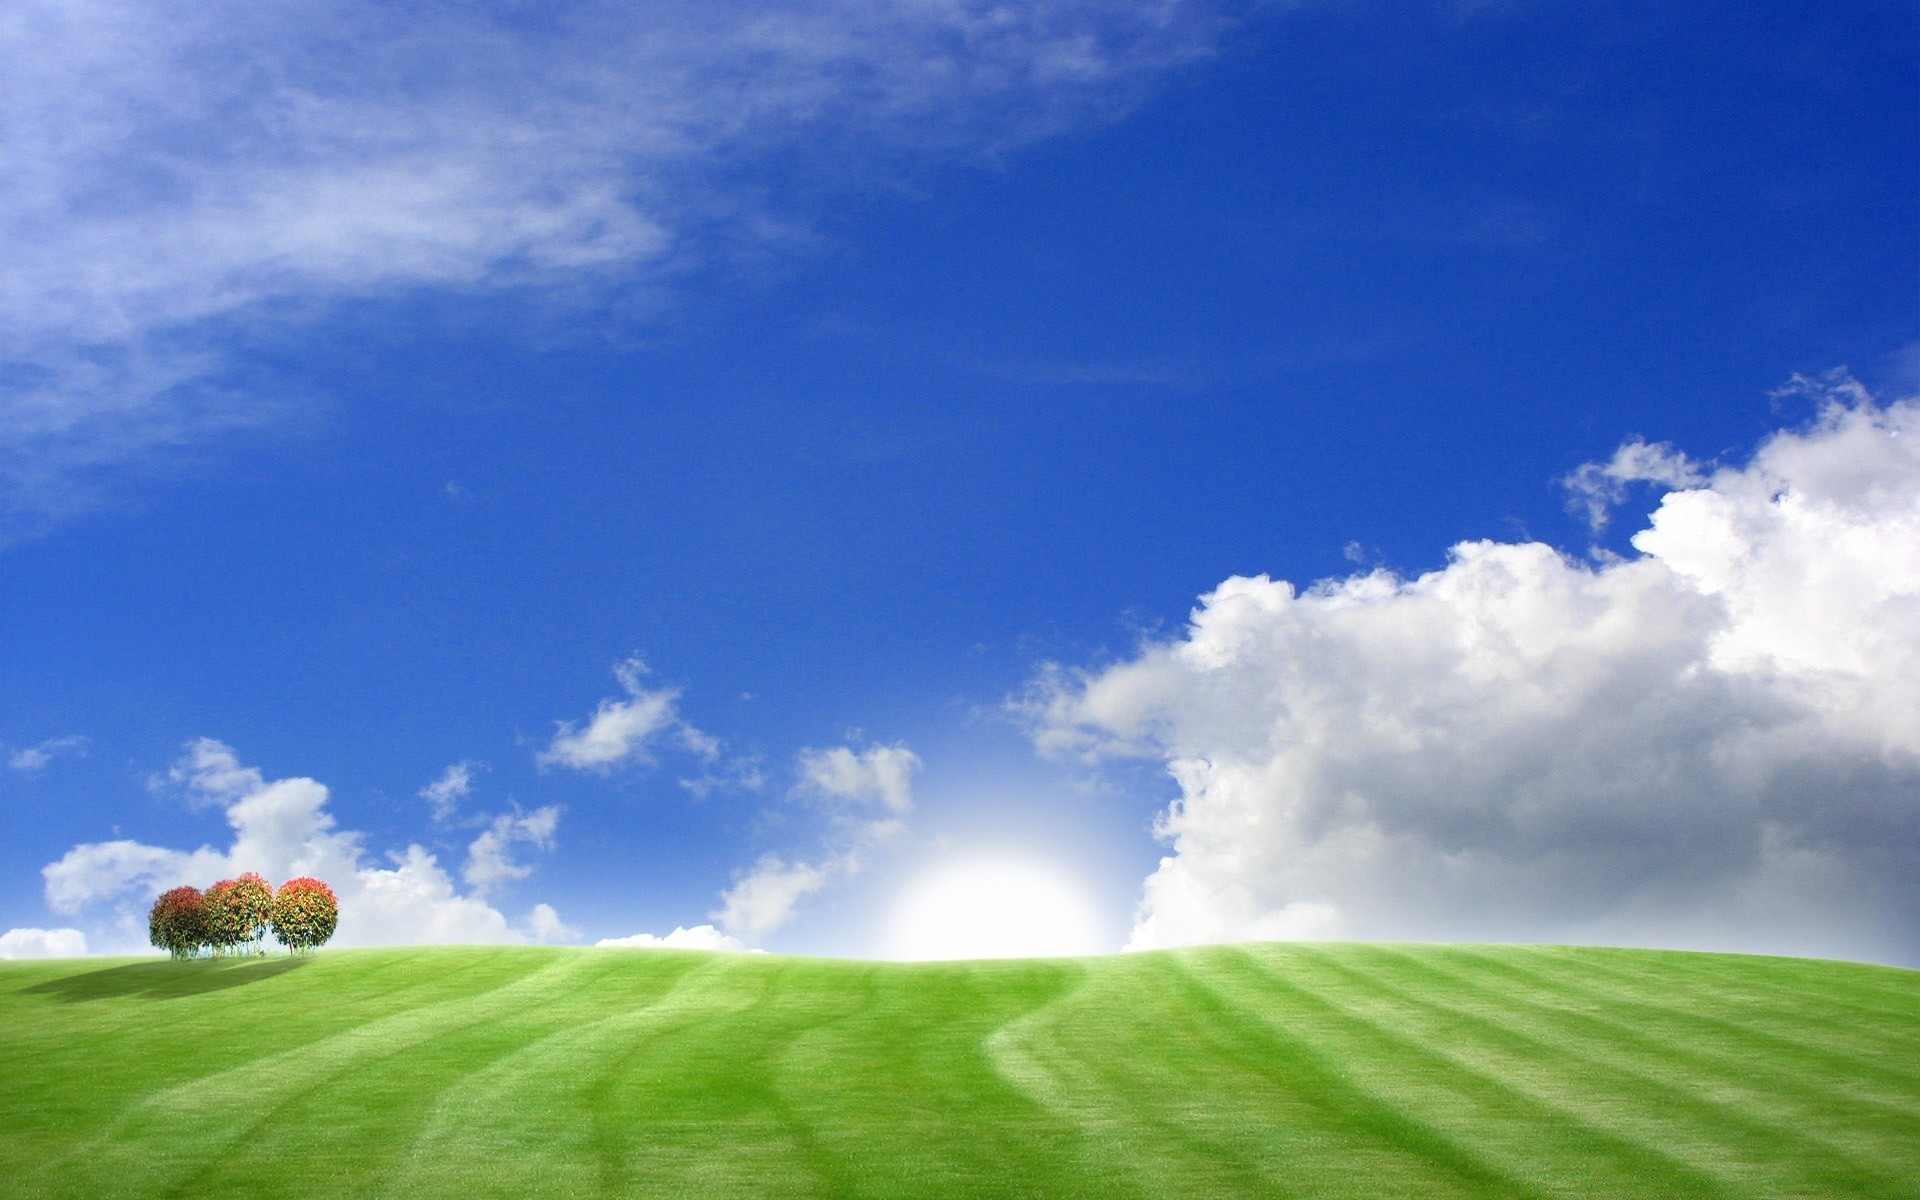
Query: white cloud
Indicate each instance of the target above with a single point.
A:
(176, 172)
(544, 925)
(445, 793)
(1595, 488)
(767, 897)
(490, 860)
(281, 828)
(212, 775)
(620, 730)
(43, 943)
(33, 759)
(700, 937)
(879, 773)
(1715, 743)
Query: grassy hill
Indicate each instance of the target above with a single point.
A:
(1264, 1070)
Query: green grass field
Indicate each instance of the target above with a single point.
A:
(1267, 1070)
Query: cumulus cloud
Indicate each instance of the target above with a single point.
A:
(620, 730)
(700, 937)
(490, 860)
(177, 172)
(31, 760)
(281, 828)
(852, 784)
(543, 924)
(1715, 743)
(445, 793)
(43, 943)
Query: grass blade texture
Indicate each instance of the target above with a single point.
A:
(1261, 1070)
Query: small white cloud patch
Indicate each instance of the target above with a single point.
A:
(490, 860)
(619, 730)
(878, 773)
(1595, 488)
(31, 760)
(765, 898)
(544, 925)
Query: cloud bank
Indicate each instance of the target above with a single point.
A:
(282, 829)
(1712, 744)
(700, 937)
(42, 943)
(180, 173)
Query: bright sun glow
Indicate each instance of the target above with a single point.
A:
(994, 908)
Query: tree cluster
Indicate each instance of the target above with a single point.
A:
(234, 916)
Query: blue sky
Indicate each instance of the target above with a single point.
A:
(892, 380)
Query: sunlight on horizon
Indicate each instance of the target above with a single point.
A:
(994, 907)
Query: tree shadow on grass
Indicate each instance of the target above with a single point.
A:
(164, 980)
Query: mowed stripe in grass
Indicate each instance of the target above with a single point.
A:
(1262, 1070)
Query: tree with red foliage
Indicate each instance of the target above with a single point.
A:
(305, 913)
(178, 922)
(237, 912)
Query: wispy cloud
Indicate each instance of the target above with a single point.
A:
(621, 731)
(766, 898)
(172, 169)
(445, 793)
(1595, 488)
(31, 760)
(490, 858)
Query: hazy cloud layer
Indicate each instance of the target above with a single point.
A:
(1713, 744)
(177, 173)
(282, 829)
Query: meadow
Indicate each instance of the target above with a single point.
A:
(1333, 1070)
